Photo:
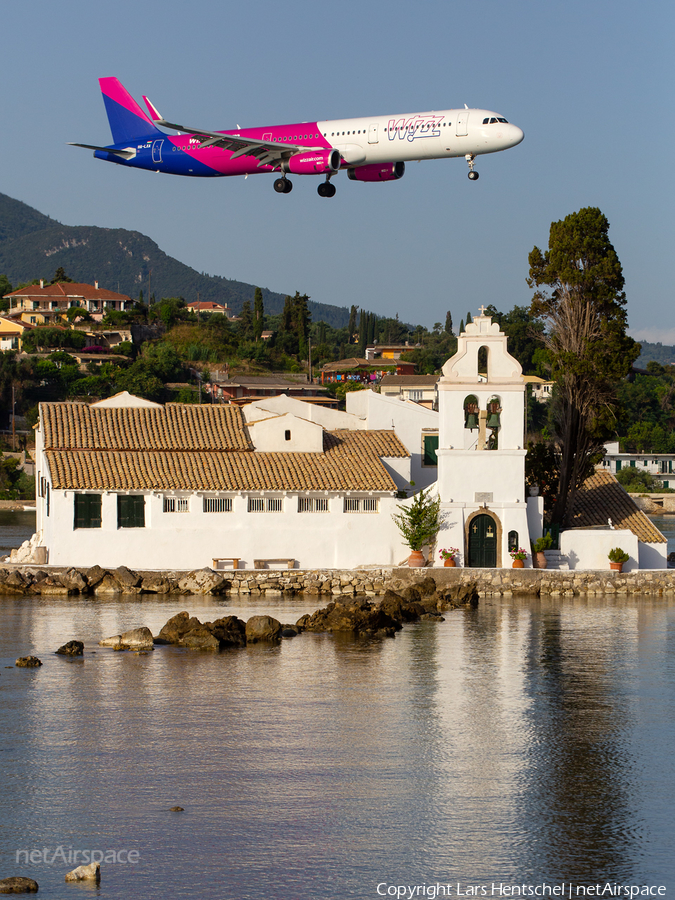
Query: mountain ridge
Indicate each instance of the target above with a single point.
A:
(33, 245)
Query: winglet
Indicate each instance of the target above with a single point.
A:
(155, 115)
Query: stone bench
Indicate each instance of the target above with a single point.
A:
(264, 563)
(222, 559)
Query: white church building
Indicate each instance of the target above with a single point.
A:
(284, 483)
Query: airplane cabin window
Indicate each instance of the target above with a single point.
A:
(486, 121)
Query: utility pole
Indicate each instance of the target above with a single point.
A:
(13, 421)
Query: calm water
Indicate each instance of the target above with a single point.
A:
(521, 742)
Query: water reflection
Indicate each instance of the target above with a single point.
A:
(517, 741)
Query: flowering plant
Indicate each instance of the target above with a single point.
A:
(518, 554)
(450, 553)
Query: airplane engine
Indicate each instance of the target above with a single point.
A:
(313, 162)
(377, 172)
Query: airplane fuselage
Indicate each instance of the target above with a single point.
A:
(360, 142)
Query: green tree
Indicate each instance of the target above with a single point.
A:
(448, 324)
(461, 326)
(258, 315)
(351, 328)
(246, 321)
(61, 277)
(579, 297)
(419, 522)
(5, 286)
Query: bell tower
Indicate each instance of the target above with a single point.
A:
(481, 448)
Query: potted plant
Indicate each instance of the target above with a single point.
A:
(419, 523)
(448, 556)
(617, 557)
(539, 560)
(518, 557)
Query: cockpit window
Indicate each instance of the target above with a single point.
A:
(493, 121)
(505, 121)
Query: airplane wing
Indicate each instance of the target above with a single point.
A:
(268, 153)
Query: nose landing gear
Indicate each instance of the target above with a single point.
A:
(283, 186)
(473, 176)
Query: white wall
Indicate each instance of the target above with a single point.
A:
(312, 412)
(286, 434)
(191, 540)
(408, 420)
(587, 548)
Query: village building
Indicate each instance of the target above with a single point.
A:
(660, 465)
(364, 371)
(418, 388)
(46, 304)
(246, 388)
(208, 307)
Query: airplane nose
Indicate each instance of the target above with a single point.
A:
(515, 136)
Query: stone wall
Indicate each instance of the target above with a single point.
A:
(327, 582)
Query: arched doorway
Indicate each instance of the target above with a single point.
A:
(483, 542)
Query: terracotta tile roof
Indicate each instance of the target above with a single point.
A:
(601, 497)
(409, 380)
(202, 448)
(345, 365)
(176, 426)
(63, 290)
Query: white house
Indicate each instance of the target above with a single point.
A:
(178, 486)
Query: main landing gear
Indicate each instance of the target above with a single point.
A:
(326, 189)
(283, 186)
(473, 176)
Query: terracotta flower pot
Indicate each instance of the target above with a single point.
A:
(540, 561)
(416, 559)
(616, 567)
(518, 564)
(449, 562)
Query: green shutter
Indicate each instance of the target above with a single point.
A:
(130, 511)
(87, 510)
(430, 448)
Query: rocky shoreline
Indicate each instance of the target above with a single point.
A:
(96, 580)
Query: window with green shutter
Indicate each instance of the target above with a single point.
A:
(130, 511)
(430, 447)
(87, 510)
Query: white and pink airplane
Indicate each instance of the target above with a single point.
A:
(374, 148)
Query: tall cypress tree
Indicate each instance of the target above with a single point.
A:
(351, 327)
(461, 326)
(579, 296)
(448, 323)
(258, 314)
(246, 321)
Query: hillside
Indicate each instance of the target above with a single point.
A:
(33, 246)
(660, 353)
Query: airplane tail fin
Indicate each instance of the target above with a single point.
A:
(127, 120)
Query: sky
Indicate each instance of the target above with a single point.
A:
(590, 83)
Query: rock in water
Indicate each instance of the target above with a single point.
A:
(176, 809)
(72, 648)
(200, 638)
(92, 872)
(177, 626)
(18, 885)
(28, 662)
(136, 639)
(262, 628)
